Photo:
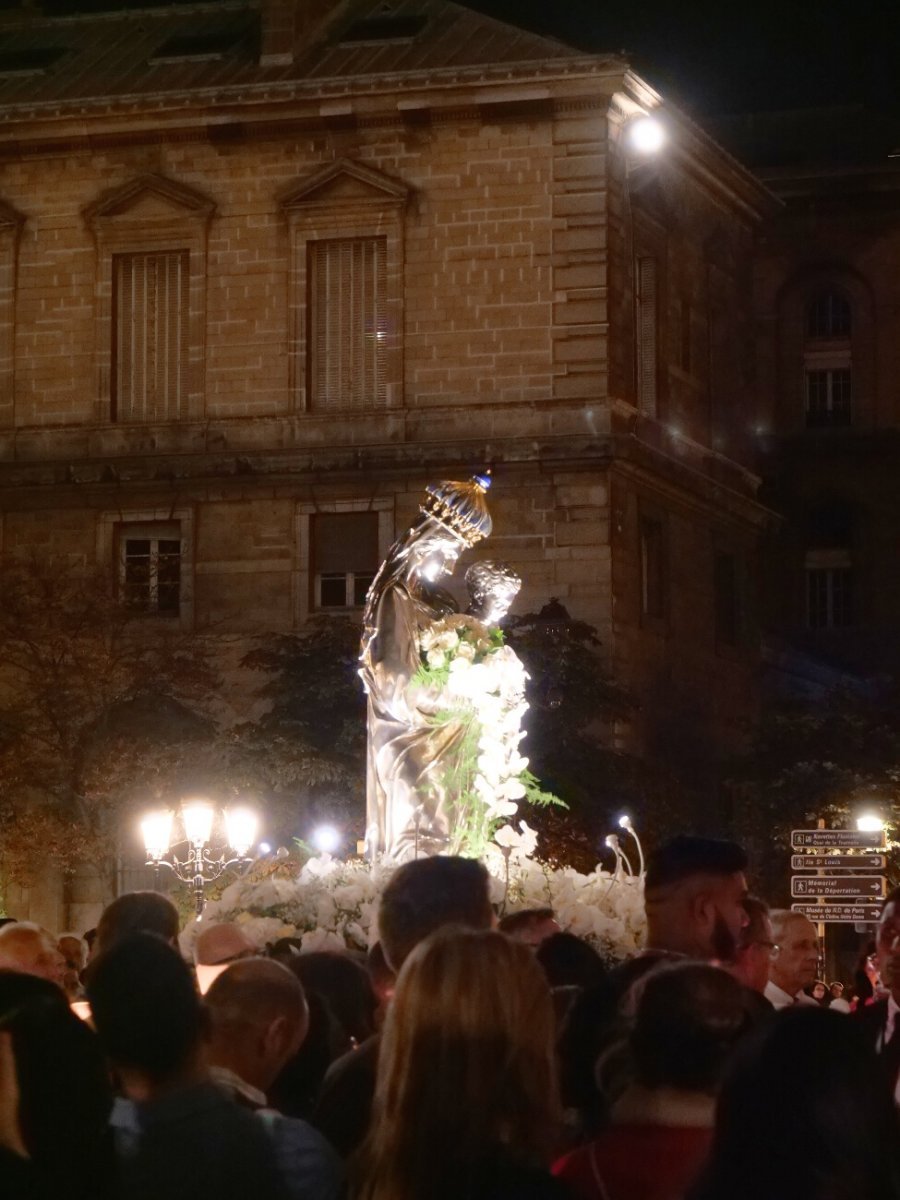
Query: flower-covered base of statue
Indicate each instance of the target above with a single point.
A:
(331, 904)
(476, 683)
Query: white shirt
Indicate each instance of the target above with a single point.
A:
(779, 998)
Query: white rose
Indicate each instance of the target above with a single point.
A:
(435, 658)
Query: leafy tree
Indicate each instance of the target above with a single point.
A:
(309, 749)
(92, 702)
(573, 705)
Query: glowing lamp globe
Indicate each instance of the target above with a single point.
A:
(646, 135)
(869, 823)
(240, 829)
(197, 816)
(156, 830)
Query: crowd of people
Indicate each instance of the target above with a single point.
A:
(464, 1057)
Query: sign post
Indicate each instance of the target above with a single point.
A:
(844, 898)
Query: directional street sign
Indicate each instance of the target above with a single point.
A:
(837, 862)
(856, 888)
(836, 839)
(840, 914)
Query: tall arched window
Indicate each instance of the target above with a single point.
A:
(827, 360)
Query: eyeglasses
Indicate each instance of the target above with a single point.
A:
(772, 947)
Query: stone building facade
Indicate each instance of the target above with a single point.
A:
(266, 272)
(827, 354)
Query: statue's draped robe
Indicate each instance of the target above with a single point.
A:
(410, 759)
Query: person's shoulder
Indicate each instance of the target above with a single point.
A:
(362, 1061)
(872, 1015)
(307, 1161)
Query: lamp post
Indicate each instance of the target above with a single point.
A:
(202, 862)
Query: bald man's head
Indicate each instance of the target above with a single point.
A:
(32, 950)
(221, 944)
(259, 1019)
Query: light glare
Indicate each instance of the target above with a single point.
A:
(869, 823)
(156, 829)
(240, 826)
(326, 838)
(197, 816)
(646, 135)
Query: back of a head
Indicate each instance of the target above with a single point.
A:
(514, 923)
(136, 912)
(65, 1095)
(568, 961)
(804, 1111)
(428, 893)
(23, 940)
(254, 992)
(466, 1062)
(344, 985)
(685, 857)
(144, 1005)
(222, 943)
(689, 1018)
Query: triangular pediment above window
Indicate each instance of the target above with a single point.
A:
(150, 198)
(346, 180)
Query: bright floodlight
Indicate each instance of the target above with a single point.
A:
(198, 818)
(646, 135)
(326, 838)
(240, 827)
(869, 823)
(156, 829)
(625, 821)
(264, 848)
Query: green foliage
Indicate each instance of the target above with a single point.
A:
(573, 704)
(309, 749)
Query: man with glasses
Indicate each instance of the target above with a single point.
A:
(795, 958)
(756, 947)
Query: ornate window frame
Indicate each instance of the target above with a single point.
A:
(344, 200)
(149, 215)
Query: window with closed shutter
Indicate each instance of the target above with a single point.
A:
(347, 322)
(150, 336)
(647, 333)
(344, 558)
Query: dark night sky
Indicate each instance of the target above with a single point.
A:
(723, 56)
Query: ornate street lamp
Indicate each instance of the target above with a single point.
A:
(202, 862)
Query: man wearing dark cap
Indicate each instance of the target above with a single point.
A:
(694, 896)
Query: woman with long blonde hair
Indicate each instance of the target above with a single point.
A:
(466, 1096)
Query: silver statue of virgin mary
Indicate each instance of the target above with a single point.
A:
(409, 811)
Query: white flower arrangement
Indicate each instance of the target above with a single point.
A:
(478, 681)
(331, 904)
